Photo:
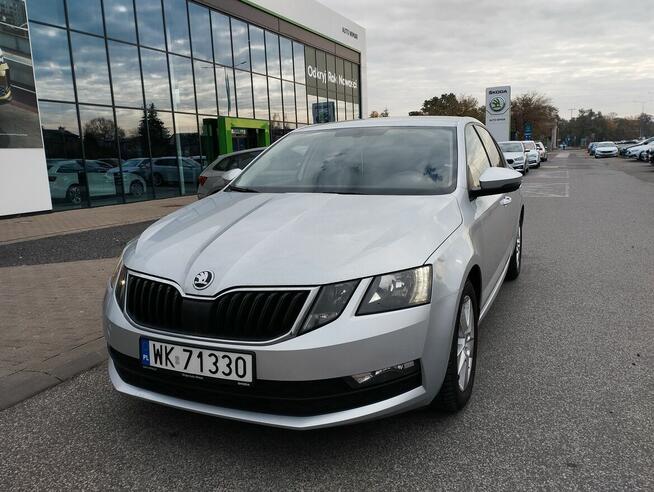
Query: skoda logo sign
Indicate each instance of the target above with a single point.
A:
(497, 104)
(203, 280)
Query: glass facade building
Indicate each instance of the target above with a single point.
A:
(131, 93)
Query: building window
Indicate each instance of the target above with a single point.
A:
(155, 79)
(119, 20)
(85, 15)
(91, 72)
(125, 74)
(50, 11)
(177, 27)
(200, 31)
(150, 24)
(244, 94)
(51, 58)
(272, 54)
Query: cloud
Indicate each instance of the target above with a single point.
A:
(581, 53)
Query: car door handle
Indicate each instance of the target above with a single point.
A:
(505, 201)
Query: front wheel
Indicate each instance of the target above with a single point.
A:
(460, 377)
(136, 188)
(74, 194)
(515, 263)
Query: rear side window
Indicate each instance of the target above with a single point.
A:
(476, 158)
(226, 164)
(491, 148)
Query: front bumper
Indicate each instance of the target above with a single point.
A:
(606, 154)
(319, 359)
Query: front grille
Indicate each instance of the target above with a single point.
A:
(298, 398)
(255, 315)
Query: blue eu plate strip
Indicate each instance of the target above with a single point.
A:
(145, 351)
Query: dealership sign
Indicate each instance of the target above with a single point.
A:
(498, 112)
(325, 76)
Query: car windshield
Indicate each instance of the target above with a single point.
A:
(363, 160)
(511, 146)
(606, 144)
(529, 145)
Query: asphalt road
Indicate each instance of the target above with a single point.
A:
(563, 398)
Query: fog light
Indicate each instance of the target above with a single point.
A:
(386, 374)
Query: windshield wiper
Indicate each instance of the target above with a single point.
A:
(242, 189)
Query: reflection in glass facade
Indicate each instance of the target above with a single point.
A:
(123, 86)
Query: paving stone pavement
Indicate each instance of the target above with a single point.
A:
(65, 222)
(51, 324)
(51, 302)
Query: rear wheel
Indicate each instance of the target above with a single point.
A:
(515, 263)
(460, 377)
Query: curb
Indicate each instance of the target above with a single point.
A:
(30, 381)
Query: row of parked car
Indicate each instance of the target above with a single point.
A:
(643, 149)
(523, 155)
(104, 177)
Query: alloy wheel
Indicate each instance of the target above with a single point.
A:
(465, 343)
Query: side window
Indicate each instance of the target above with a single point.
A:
(491, 148)
(224, 165)
(476, 158)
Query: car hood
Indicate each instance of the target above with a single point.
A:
(292, 239)
(513, 155)
(606, 149)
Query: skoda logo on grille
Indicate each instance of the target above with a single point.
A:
(203, 280)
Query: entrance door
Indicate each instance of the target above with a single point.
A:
(244, 138)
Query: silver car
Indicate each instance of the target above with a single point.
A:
(341, 277)
(212, 179)
(533, 156)
(515, 155)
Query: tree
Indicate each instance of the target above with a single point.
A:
(536, 109)
(451, 105)
(590, 125)
(159, 134)
(100, 138)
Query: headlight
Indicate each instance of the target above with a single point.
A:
(398, 290)
(329, 304)
(518, 159)
(118, 281)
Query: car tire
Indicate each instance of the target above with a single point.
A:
(74, 194)
(457, 385)
(136, 188)
(157, 179)
(515, 262)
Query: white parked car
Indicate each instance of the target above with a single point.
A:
(533, 156)
(515, 154)
(606, 149)
(216, 175)
(635, 151)
(341, 277)
(542, 151)
(66, 180)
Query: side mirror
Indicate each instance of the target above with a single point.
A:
(496, 180)
(232, 174)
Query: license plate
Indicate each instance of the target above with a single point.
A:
(232, 366)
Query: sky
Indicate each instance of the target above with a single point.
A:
(581, 53)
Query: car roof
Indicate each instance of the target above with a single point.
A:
(412, 121)
(246, 151)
